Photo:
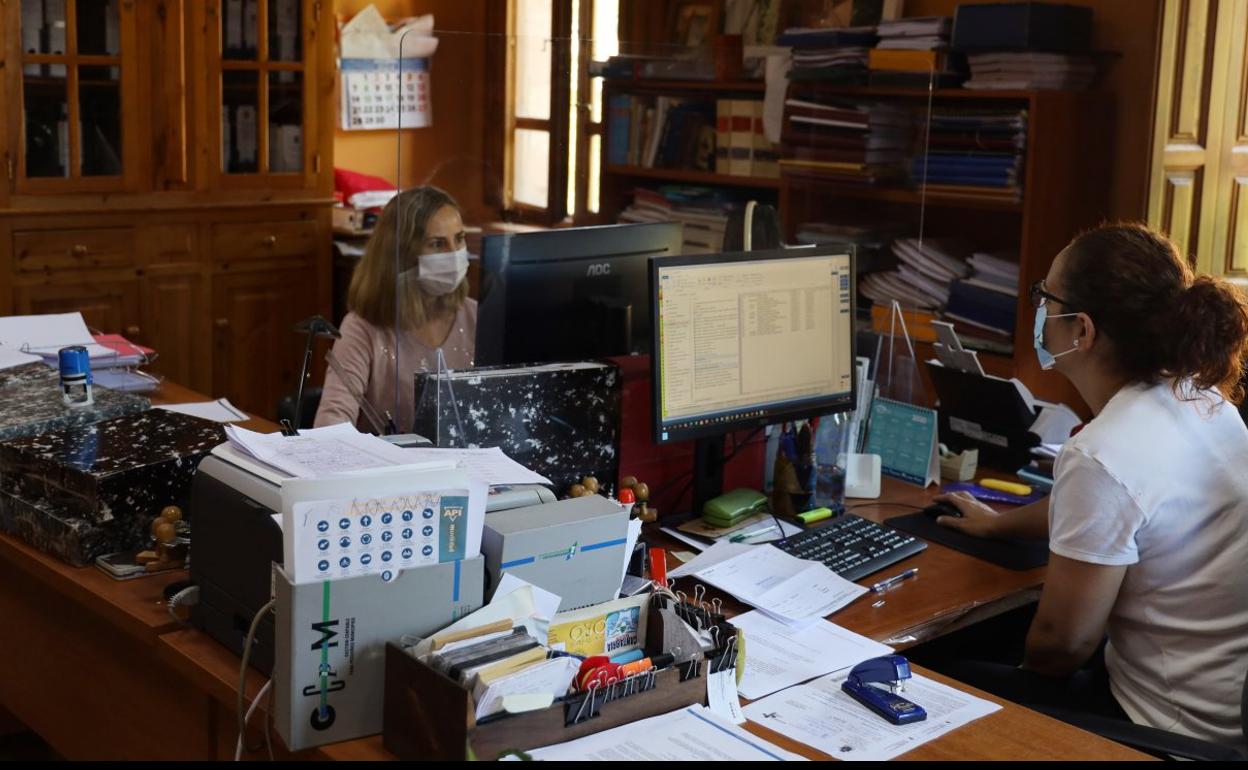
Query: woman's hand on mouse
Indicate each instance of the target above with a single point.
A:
(977, 518)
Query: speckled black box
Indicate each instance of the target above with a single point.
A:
(124, 468)
(54, 530)
(30, 403)
(561, 420)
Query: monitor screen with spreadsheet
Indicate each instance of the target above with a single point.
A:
(744, 340)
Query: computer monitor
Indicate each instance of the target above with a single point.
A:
(569, 294)
(746, 340)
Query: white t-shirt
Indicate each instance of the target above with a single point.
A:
(1161, 484)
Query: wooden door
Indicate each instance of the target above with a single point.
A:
(1199, 186)
(73, 118)
(175, 318)
(264, 92)
(258, 355)
(108, 305)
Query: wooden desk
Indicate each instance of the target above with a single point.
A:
(100, 671)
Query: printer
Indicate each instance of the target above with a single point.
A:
(235, 507)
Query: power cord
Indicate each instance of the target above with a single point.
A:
(188, 597)
(242, 671)
(238, 747)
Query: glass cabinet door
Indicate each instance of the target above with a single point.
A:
(263, 86)
(74, 79)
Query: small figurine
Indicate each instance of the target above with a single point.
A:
(169, 549)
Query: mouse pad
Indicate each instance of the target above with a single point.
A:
(1011, 554)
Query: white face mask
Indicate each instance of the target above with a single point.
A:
(440, 274)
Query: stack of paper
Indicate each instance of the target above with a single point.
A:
(928, 269)
(1027, 70)
(220, 410)
(26, 339)
(830, 55)
(490, 465)
(320, 451)
(919, 33)
(821, 715)
(785, 587)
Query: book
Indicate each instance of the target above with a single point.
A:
(621, 111)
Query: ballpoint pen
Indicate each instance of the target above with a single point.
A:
(737, 538)
(894, 580)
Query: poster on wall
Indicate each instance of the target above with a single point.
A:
(385, 94)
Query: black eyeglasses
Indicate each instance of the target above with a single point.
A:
(1039, 295)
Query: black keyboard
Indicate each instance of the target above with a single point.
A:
(852, 546)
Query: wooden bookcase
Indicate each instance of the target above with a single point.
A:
(1067, 170)
(120, 199)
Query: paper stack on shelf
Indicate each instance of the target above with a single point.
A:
(1031, 70)
(871, 245)
(848, 140)
(974, 154)
(914, 53)
(924, 278)
(114, 359)
(829, 55)
(703, 211)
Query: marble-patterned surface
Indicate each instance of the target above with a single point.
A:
(125, 467)
(562, 421)
(30, 403)
(53, 530)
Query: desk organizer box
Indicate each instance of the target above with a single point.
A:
(87, 490)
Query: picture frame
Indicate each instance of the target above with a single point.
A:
(694, 24)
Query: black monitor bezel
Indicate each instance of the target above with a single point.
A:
(771, 416)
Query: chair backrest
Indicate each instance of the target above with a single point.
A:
(311, 402)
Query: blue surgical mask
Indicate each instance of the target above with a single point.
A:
(1047, 359)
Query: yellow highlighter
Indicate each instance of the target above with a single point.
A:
(1011, 487)
(818, 514)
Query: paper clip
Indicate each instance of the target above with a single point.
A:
(717, 605)
(698, 592)
(715, 636)
(683, 597)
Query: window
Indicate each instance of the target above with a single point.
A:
(553, 136)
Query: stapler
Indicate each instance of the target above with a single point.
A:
(891, 670)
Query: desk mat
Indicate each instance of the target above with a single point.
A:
(1011, 554)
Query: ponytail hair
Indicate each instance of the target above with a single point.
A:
(1162, 321)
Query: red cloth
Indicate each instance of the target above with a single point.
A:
(348, 183)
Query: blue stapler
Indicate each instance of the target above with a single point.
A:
(892, 671)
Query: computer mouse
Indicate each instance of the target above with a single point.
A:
(936, 510)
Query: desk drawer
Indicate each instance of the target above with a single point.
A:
(263, 240)
(44, 251)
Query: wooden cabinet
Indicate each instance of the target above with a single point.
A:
(167, 173)
(253, 319)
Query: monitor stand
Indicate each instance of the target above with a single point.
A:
(708, 471)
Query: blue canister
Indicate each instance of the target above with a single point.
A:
(75, 364)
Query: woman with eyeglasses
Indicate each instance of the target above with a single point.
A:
(1148, 520)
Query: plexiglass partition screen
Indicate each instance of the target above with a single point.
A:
(860, 136)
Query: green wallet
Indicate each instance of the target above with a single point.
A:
(729, 509)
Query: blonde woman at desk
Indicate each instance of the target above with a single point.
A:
(400, 315)
(1148, 520)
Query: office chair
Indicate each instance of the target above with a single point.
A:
(311, 402)
(1150, 740)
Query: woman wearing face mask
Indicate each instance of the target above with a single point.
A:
(423, 232)
(1148, 520)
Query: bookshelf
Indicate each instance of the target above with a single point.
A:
(1066, 186)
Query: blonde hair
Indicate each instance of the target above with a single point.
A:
(396, 242)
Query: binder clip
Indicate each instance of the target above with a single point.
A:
(892, 670)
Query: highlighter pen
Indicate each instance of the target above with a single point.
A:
(894, 580)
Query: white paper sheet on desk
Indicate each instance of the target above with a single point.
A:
(720, 552)
(393, 521)
(45, 335)
(491, 465)
(552, 676)
(819, 714)
(779, 656)
(545, 604)
(690, 734)
(319, 451)
(11, 357)
(220, 410)
(783, 586)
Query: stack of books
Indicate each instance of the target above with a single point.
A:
(1031, 70)
(703, 211)
(914, 53)
(830, 55)
(741, 144)
(973, 154)
(870, 245)
(854, 142)
(924, 279)
(662, 132)
(987, 300)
